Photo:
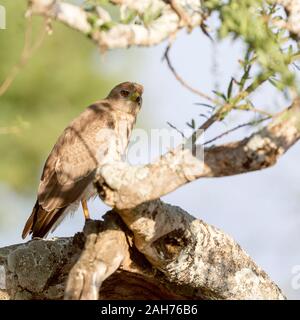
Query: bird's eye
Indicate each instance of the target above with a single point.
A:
(124, 93)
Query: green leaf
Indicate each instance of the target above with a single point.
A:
(220, 94)
(192, 124)
(107, 25)
(277, 84)
(229, 90)
(205, 105)
(245, 77)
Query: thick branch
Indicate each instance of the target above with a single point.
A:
(168, 255)
(199, 256)
(121, 35)
(102, 255)
(123, 186)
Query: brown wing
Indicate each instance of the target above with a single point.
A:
(69, 169)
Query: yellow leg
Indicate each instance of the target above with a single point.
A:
(85, 209)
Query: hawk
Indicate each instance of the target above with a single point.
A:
(100, 134)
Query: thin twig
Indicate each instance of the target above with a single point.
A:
(186, 85)
(203, 115)
(260, 111)
(173, 127)
(236, 128)
(27, 52)
(250, 107)
(205, 105)
(191, 141)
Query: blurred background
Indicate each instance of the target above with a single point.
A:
(261, 210)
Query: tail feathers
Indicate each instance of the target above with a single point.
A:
(41, 221)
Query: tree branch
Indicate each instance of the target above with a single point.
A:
(190, 252)
(123, 186)
(102, 255)
(168, 253)
(121, 35)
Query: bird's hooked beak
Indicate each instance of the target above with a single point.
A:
(135, 97)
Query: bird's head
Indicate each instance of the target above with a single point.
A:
(128, 96)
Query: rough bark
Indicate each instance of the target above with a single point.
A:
(164, 254)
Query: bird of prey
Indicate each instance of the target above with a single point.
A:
(99, 135)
